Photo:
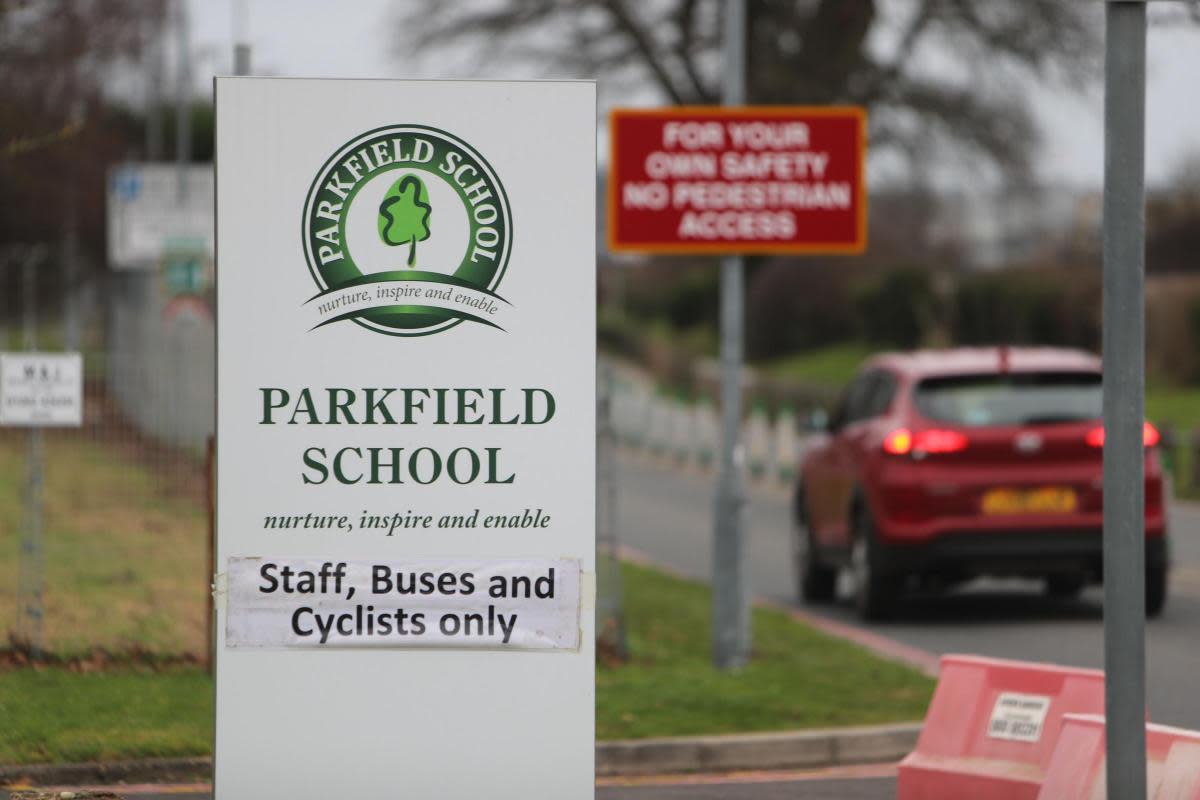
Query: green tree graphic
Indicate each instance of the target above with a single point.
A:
(404, 215)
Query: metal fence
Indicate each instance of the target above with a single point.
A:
(104, 527)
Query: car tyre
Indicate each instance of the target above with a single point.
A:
(816, 582)
(1156, 589)
(1065, 586)
(875, 589)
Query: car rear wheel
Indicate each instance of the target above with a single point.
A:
(1065, 586)
(1156, 590)
(875, 590)
(815, 582)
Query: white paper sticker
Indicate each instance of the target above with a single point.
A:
(462, 603)
(1018, 717)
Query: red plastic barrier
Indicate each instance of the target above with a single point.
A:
(1076, 770)
(992, 726)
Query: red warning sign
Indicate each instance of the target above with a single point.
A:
(767, 179)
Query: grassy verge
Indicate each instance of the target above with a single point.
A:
(56, 715)
(124, 562)
(1178, 407)
(831, 367)
(798, 678)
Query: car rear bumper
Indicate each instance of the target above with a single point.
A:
(924, 502)
(1007, 553)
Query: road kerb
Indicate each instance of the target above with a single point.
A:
(784, 750)
(756, 751)
(143, 770)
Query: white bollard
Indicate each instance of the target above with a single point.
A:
(758, 442)
(707, 432)
(786, 445)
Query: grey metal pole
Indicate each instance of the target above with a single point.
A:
(153, 32)
(610, 611)
(241, 59)
(241, 47)
(31, 570)
(731, 590)
(72, 295)
(1124, 399)
(183, 97)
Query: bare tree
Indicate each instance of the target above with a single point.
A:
(58, 129)
(932, 72)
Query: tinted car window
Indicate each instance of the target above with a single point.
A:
(1011, 399)
(861, 398)
(882, 392)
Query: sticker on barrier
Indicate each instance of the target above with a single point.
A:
(1019, 717)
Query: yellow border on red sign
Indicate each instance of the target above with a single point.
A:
(678, 248)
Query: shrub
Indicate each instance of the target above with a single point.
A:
(798, 304)
(898, 308)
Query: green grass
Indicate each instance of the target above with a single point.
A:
(1178, 407)
(56, 715)
(830, 367)
(125, 562)
(797, 678)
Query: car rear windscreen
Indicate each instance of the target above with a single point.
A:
(1018, 398)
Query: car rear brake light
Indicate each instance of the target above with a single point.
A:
(902, 441)
(898, 442)
(1150, 436)
(939, 441)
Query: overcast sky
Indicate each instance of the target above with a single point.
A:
(316, 38)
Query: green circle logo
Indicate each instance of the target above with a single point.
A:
(407, 232)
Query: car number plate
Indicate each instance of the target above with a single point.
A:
(1046, 500)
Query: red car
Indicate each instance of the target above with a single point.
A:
(940, 466)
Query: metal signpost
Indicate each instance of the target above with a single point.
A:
(731, 180)
(731, 586)
(1124, 398)
(37, 390)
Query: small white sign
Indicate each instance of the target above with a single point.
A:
(1018, 717)
(149, 212)
(471, 603)
(41, 389)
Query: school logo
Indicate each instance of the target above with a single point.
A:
(407, 232)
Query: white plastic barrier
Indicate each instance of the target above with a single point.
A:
(707, 433)
(786, 450)
(758, 442)
(682, 436)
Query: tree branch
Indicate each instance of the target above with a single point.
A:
(645, 48)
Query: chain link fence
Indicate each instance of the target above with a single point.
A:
(104, 527)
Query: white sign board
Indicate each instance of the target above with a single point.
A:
(405, 439)
(149, 212)
(41, 389)
(1018, 717)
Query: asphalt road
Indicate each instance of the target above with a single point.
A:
(666, 514)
